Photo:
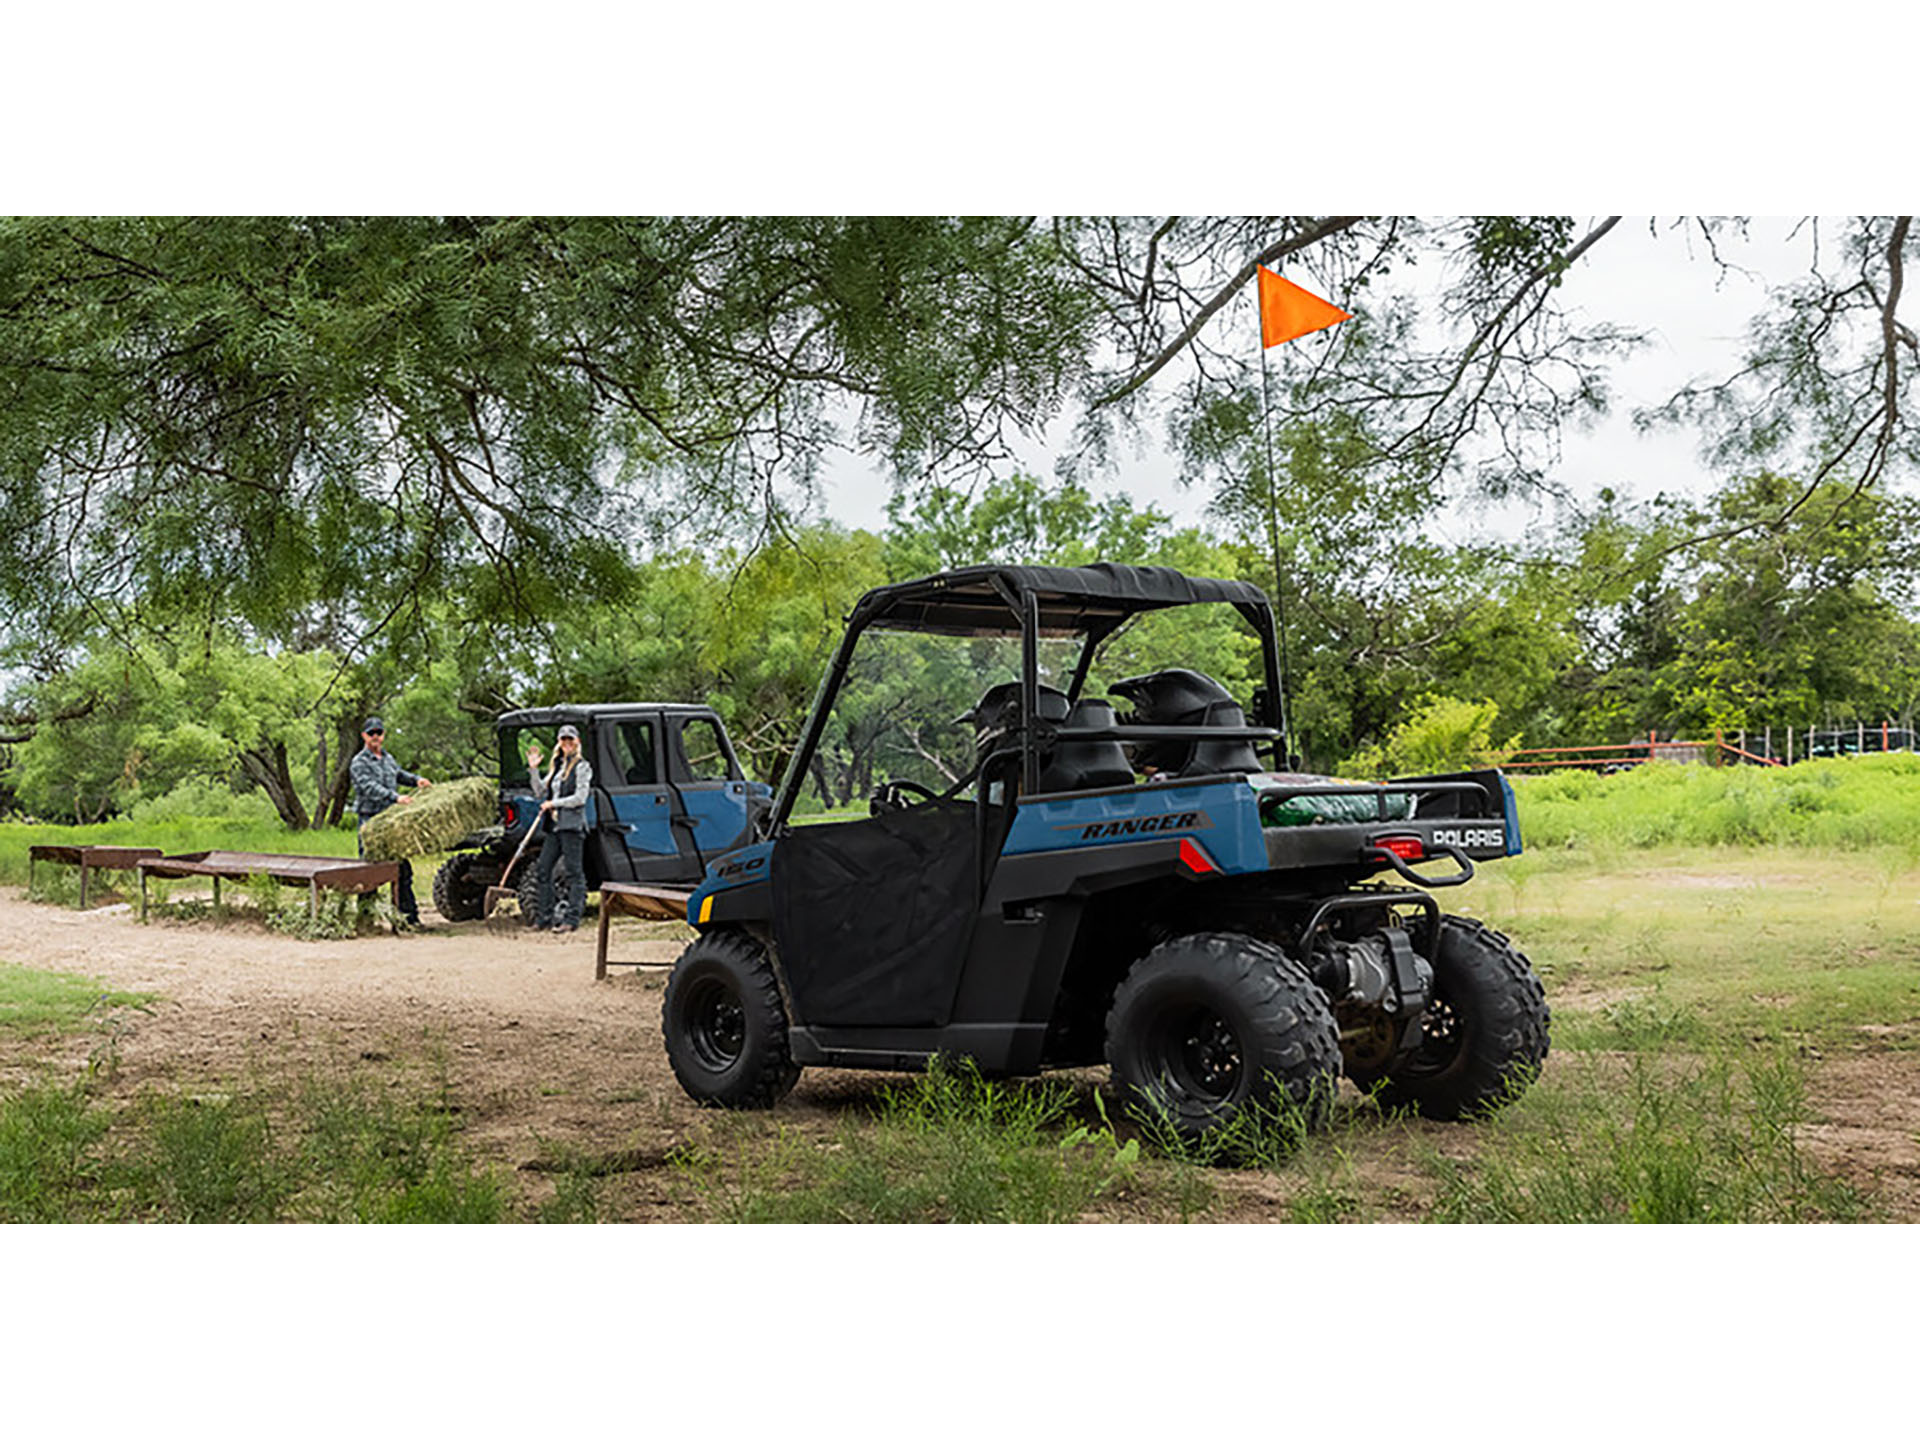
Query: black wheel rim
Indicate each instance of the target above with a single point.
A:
(1198, 1053)
(716, 1023)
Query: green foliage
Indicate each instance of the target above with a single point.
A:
(199, 799)
(338, 916)
(50, 1154)
(211, 1160)
(1852, 803)
(1440, 736)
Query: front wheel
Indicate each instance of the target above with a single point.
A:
(1484, 1033)
(1206, 1025)
(726, 1025)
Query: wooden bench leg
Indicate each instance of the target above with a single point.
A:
(84, 870)
(600, 944)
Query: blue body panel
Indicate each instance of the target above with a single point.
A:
(719, 813)
(647, 819)
(1513, 816)
(1223, 819)
(739, 867)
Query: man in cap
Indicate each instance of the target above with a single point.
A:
(562, 793)
(377, 778)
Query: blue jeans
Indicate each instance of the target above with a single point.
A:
(558, 842)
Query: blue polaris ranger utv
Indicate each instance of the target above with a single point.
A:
(1045, 880)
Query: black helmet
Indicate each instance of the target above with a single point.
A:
(1168, 697)
(997, 713)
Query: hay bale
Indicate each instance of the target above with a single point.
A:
(435, 819)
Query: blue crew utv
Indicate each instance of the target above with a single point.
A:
(1061, 884)
(668, 797)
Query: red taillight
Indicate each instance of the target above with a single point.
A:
(1196, 859)
(1407, 847)
(507, 816)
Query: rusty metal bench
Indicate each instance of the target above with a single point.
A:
(89, 858)
(316, 872)
(644, 902)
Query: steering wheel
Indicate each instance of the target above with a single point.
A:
(892, 796)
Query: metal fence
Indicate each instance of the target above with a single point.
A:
(1766, 746)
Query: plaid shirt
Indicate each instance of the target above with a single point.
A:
(376, 781)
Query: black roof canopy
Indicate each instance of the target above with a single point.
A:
(560, 714)
(1071, 599)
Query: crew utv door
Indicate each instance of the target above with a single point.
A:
(643, 843)
(873, 917)
(706, 777)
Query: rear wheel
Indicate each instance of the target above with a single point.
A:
(1484, 1033)
(455, 894)
(1205, 1025)
(527, 888)
(726, 1025)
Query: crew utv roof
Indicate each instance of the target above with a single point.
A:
(983, 599)
(552, 714)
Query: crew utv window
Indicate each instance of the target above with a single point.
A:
(633, 752)
(706, 757)
(513, 750)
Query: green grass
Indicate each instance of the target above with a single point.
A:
(1822, 947)
(1861, 802)
(1667, 1138)
(37, 1002)
(946, 1147)
(327, 1151)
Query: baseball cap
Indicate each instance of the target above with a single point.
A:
(374, 726)
(567, 732)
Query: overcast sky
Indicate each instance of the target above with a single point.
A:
(1660, 282)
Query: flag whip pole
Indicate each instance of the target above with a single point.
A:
(1273, 539)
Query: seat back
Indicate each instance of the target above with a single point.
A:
(1085, 764)
(1223, 757)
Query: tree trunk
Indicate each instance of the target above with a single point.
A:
(266, 766)
(333, 804)
(320, 775)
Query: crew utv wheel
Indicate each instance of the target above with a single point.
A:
(527, 887)
(726, 1025)
(1484, 1031)
(455, 894)
(1205, 1025)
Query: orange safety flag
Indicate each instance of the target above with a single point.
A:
(1287, 312)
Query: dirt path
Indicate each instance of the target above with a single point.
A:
(540, 1055)
(537, 1048)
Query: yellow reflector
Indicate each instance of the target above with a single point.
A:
(706, 909)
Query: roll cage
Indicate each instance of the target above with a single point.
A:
(1031, 601)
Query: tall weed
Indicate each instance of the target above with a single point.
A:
(950, 1146)
(1687, 1140)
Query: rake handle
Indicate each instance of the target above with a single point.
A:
(520, 850)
